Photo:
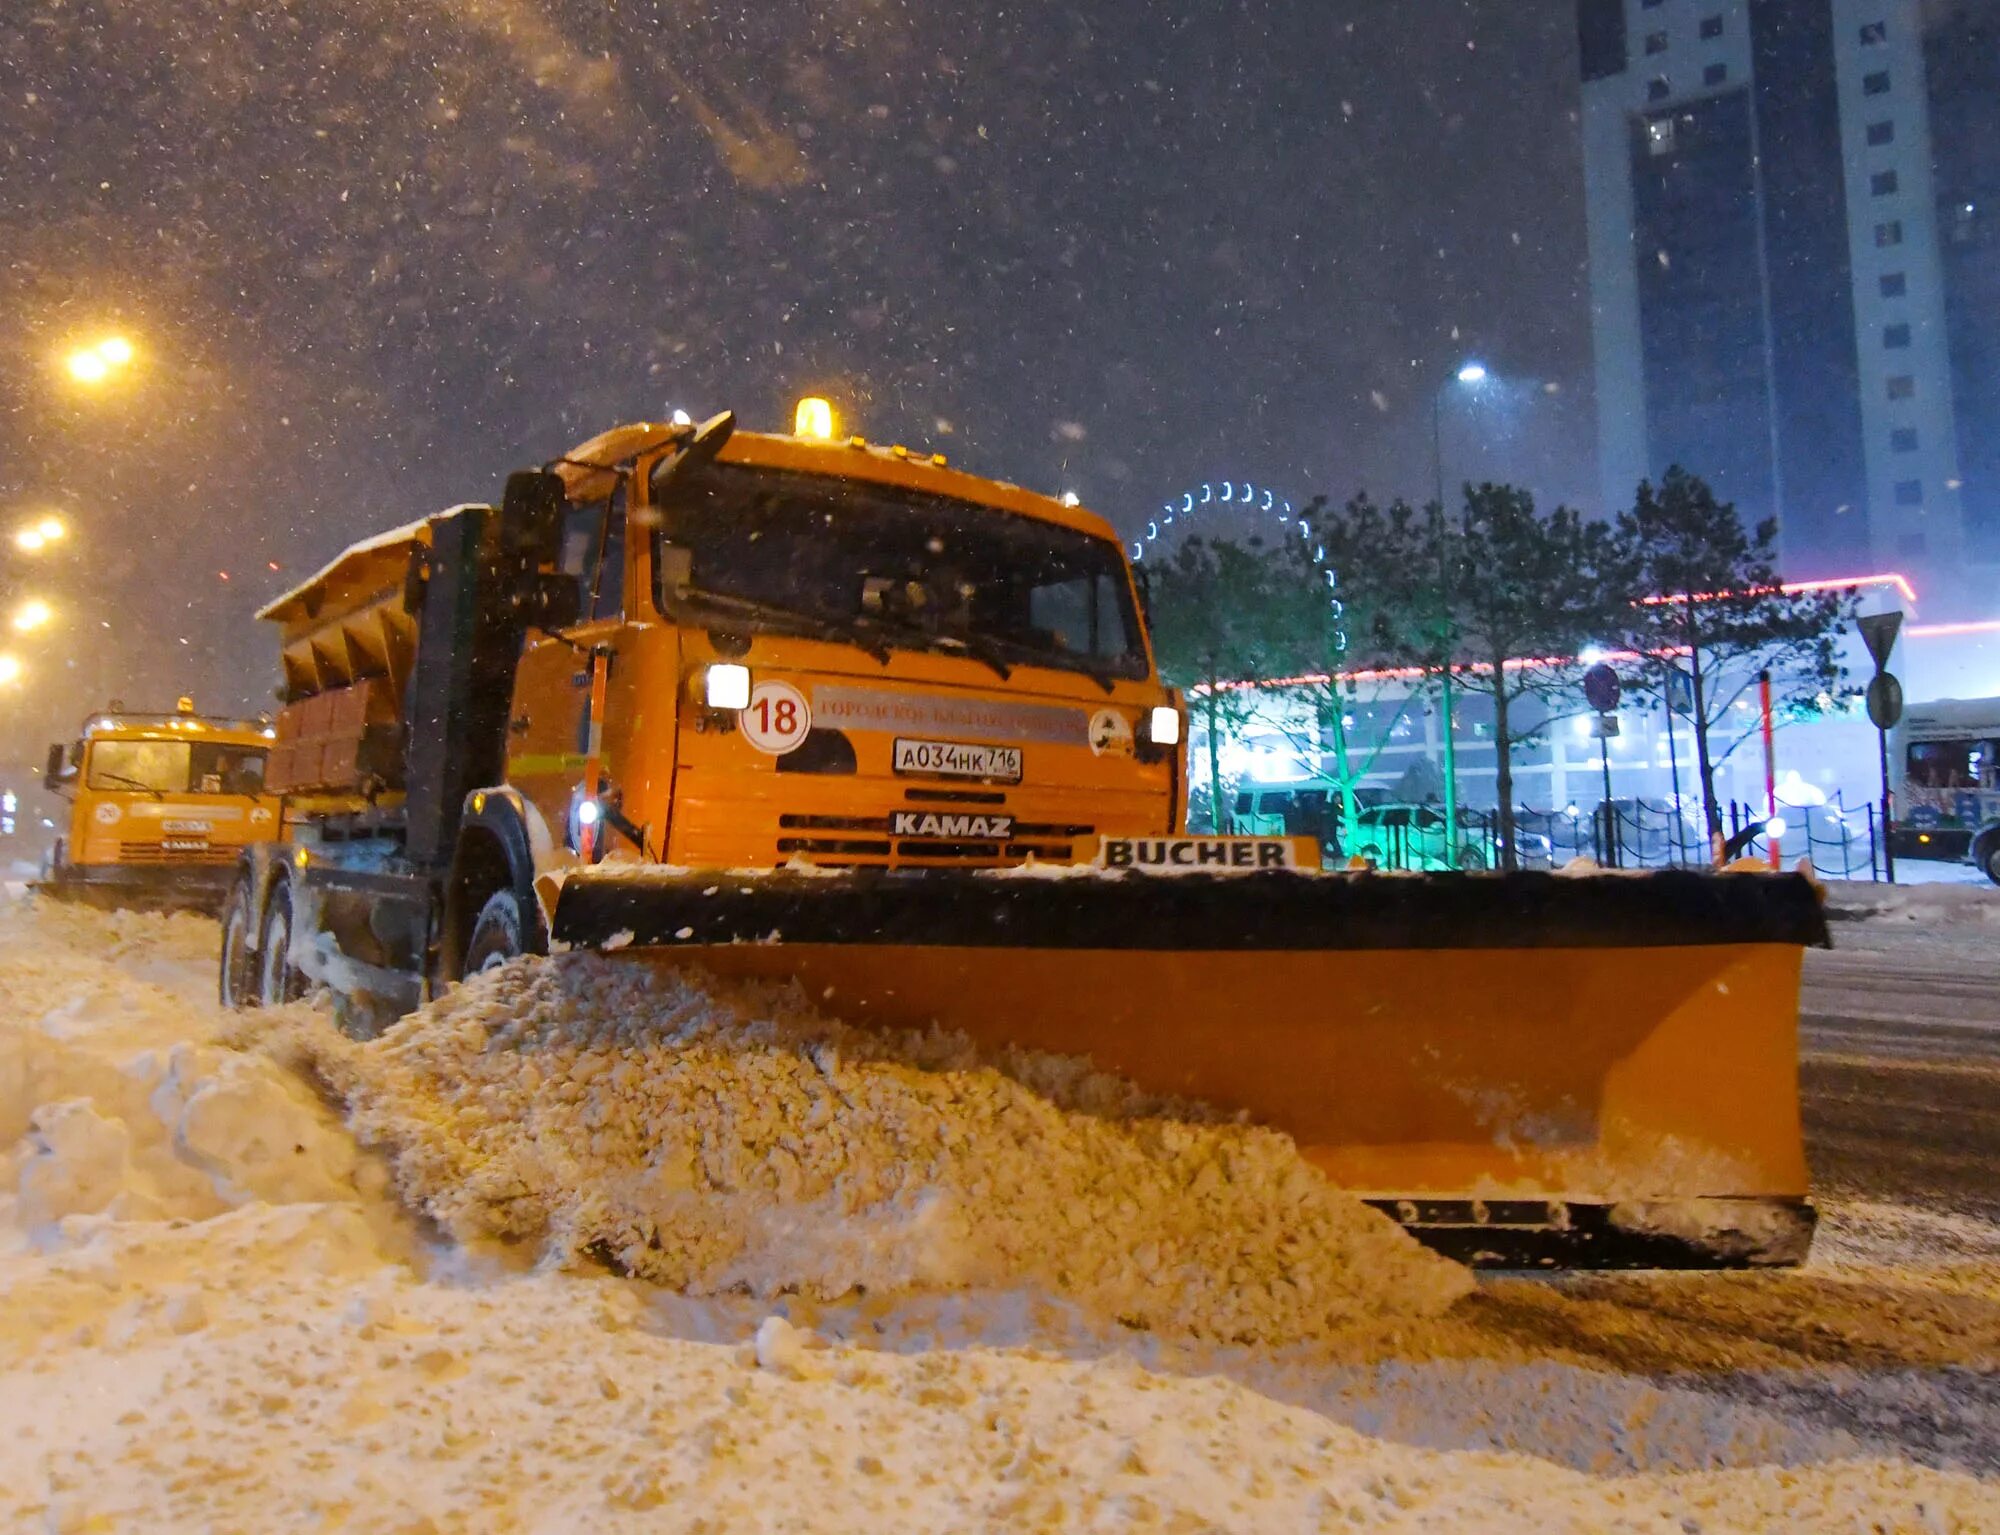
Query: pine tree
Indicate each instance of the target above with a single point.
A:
(1212, 625)
(1716, 604)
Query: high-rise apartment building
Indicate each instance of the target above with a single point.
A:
(1794, 219)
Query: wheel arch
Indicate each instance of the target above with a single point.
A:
(495, 851)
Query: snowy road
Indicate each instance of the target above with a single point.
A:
(1900, 1072)
(214, 1314)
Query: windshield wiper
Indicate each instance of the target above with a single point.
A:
(143, 788)
(812, 624)
(936, 640)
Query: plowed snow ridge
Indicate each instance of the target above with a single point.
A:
(715, 1137)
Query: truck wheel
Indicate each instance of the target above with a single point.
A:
(277, 981)
(236, 982)
(496, 934)
(1989, 860)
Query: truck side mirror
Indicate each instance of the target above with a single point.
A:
(52, 773)
(554, 602)
(531, 514)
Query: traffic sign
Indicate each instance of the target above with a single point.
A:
(1878, 633)
(1604, 727)
(1885, 700)
(1600, 687)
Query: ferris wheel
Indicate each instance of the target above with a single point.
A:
(1218, 497)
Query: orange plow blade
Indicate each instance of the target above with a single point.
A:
(1524, 1069)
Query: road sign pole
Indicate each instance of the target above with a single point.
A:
(1770, 769)
(1609, 812)
(1885, 709)
(1888, 841)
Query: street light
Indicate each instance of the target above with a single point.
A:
(34, 537)
(95, 363)
(1471, 375)
(10, 669)
(32, 615)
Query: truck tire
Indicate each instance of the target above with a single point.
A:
(237, 977)
(278, 982)
(496, 934)
(1989, 859)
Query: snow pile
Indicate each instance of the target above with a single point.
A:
(115, 1100)
(715, 1138)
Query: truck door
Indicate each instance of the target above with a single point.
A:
(552, 731)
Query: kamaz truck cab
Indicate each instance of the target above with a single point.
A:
(162, 806)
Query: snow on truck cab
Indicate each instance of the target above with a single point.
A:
(799, 710)
(162, 805)
(1945, 782)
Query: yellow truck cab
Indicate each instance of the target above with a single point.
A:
(162, 806)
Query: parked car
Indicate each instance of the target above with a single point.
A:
(1413, 837)
(1311, 809)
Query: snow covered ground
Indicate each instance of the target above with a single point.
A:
(218, 1312)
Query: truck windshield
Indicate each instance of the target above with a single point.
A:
(905, 568)
(177, 767)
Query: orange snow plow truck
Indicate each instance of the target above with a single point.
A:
(161, 808)
(778, 706)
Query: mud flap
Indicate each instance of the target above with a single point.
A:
(1609, 1062)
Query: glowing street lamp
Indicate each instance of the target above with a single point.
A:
(34, 537)
(92, 365)
(10, 669)
(1472, 373)
(32, 615)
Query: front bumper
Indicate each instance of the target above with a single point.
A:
(149, 887)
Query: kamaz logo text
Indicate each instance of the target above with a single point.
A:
(931, 823)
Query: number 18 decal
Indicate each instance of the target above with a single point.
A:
(777, 719)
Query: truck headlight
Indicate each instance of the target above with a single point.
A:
(727, 686)
(1163, 726)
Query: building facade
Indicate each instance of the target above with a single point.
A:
(1794, 226)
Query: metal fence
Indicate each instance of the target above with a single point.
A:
(1844, 842)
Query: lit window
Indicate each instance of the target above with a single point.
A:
(1894, 336)
(1903, 440)
(1711, 26)
(1874, 32)
(1889, 233)
(1882, 183)
(1909, 492)
(1881, 133)
(1656, 42)
(1660, 136)
(1715, 74)
(1902, 387)
(1876, 83)
(1894, 285)
(1657, 88)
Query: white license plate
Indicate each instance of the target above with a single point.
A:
(956, 759)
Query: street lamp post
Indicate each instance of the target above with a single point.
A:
(1469, 374)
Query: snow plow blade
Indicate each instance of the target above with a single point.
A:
(1525, 1070)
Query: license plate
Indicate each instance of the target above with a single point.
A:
(951, 825)
(956, 759)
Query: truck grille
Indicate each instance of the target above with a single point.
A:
(154, 852)
(868, 841)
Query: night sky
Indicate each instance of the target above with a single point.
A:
(375, 253)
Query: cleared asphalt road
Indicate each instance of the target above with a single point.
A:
(1900, 1072)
